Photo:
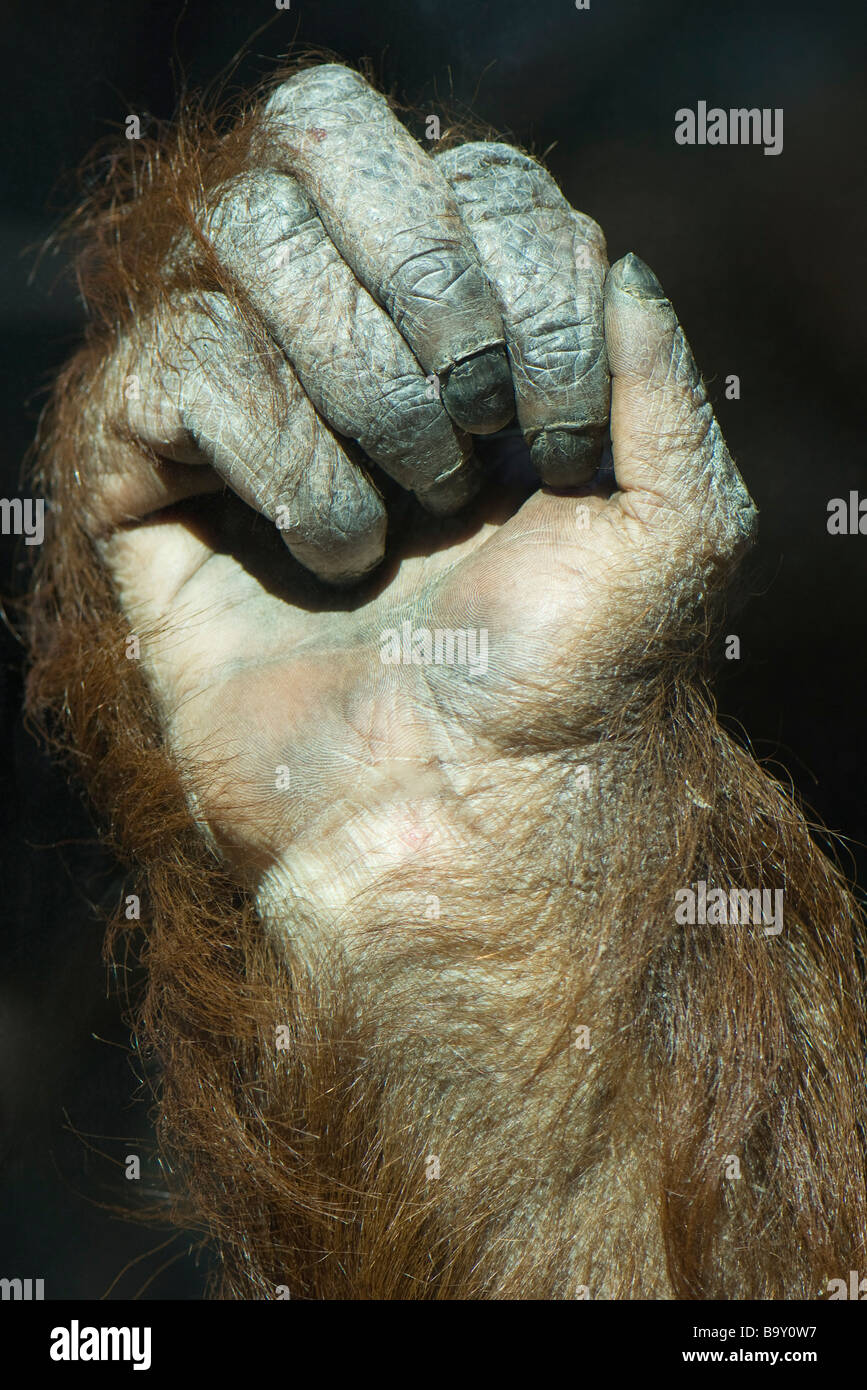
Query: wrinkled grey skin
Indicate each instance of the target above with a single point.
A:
(206, 399)
(355, 367)
(395, 221)
(547, 266)
(409, 302)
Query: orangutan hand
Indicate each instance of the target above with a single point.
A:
(354, 728)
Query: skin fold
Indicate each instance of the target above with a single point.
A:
(421, 1020)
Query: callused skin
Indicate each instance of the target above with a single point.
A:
(442, 729)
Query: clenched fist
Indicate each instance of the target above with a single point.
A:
(367, 264)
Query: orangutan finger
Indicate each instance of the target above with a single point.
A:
(394, 219)
(208, 394)
(546, 265)
(670, 459)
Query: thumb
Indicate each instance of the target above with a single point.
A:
(671, 463)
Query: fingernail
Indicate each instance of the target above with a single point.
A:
(567, 457)
(638, 278)
(477, 393)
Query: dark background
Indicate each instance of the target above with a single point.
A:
(763, 259)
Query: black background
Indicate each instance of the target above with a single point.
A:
(763, 257)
